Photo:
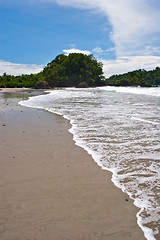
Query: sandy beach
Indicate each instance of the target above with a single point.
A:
(51, 189)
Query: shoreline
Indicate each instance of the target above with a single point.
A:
(53, 189)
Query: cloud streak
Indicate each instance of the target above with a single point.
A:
(110, 67)
(74, 50)
(125, 64)
(18, 69)
(135, 34)
(135, 24)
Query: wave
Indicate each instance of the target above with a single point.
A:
(151, 91)
(144, 120)
(109, 127)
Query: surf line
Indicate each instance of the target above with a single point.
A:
(143, 120)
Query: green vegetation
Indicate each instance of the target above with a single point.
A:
(79, 70)
(140, 77)
(74, 70)
(11, 81)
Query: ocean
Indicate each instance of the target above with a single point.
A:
(120, 128)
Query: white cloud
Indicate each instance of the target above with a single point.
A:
(110, 67)
(150, 50)
(133, 22)
(110, 50)
(135, 32)
(74, 50)
(18, 69)
(98, 50)
(126, 64)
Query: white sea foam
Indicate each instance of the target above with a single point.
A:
(144, 120)
(120, 128)
(152, 91)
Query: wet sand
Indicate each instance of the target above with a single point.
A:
(51, 189)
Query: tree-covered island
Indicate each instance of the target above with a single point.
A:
(74, 70)
(79, 70)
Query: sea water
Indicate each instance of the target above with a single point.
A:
(120, 128)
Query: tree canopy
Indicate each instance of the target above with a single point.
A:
(79, 70)
(74, 70)
(139, 77)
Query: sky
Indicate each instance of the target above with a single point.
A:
(123, 34)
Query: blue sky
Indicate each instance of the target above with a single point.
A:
(123, 34)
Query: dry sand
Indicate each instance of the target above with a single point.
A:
(51, 189)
